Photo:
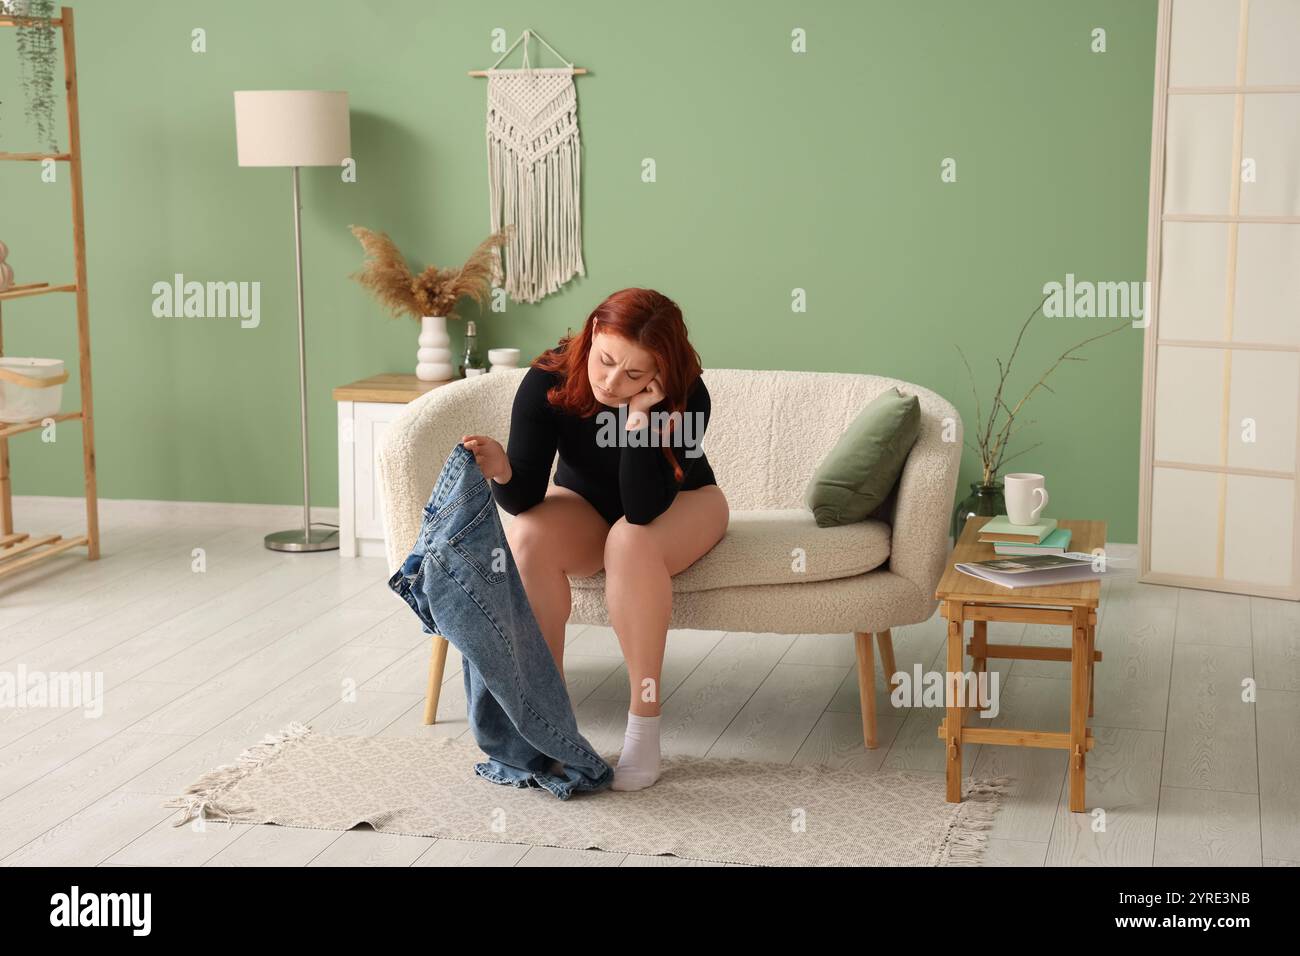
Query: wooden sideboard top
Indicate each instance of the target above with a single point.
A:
(391, 387)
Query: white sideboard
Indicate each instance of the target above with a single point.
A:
(366, 408)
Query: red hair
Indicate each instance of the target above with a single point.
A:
(645, 318)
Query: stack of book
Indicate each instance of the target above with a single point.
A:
(1025, 539)
(1032, 556)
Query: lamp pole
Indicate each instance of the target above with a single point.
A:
(296, 540)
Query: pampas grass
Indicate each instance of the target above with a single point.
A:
(433, 291)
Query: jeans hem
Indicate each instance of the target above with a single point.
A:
(561, 787)
(536, 781)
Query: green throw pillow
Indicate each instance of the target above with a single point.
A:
(864, 465)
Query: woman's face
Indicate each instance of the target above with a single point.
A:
(618, 369)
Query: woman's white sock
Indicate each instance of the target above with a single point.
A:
(638, 765)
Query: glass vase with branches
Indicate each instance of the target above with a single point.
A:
(994, 432)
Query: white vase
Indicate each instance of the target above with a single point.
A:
(433, 360)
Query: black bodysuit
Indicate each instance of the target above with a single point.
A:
(617, 479)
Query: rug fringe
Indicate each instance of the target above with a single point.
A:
(201, 797)
(967, 837)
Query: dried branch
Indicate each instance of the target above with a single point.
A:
(979, 412)
(385, 273)
(433, 291)
(994, 434)
(1004, 371)
(1055, 365)
(1018, 454)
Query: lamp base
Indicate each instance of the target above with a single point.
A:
(297, 540)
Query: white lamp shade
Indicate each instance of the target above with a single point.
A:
(292, 127)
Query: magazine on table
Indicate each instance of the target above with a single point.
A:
(1035, 570)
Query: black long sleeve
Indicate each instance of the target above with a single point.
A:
(619, 480)
(531, 447)
(645, 479)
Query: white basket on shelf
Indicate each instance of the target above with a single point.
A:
(30, 388)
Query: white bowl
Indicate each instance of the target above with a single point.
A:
(503, 358)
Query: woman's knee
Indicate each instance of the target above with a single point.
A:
(526, 536)
(630, 544)
(555, 539)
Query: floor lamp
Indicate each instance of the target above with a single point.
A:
(295, 128)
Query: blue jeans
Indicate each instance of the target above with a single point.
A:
(462, 583)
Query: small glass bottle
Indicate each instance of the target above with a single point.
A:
(471, 362)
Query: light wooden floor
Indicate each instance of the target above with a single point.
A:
(197, 666)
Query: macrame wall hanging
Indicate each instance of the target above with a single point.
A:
(534, 174)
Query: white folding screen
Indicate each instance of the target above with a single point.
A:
(1220, 501)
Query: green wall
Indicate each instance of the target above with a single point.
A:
(776, 171)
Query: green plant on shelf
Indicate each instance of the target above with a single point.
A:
(37, 62)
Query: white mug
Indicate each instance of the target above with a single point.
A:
(1026, 497)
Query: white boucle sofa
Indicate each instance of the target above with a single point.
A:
(767, 433)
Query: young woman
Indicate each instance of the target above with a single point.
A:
(642, 508)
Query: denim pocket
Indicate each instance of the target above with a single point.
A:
(408, 582)
(482, 543)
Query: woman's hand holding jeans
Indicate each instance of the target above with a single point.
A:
(490, 456)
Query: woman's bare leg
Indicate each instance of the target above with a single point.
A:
(640, 561)
(561, 535)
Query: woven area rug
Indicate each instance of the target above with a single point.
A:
(726, 810)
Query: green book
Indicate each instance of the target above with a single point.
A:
(1058, 542)
(1000, 528)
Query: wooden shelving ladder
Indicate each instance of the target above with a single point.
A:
(20, 549)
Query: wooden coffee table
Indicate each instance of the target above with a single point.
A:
(964, 598)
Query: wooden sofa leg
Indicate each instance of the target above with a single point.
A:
(866, 685)
(437, 661)
(885, 641)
